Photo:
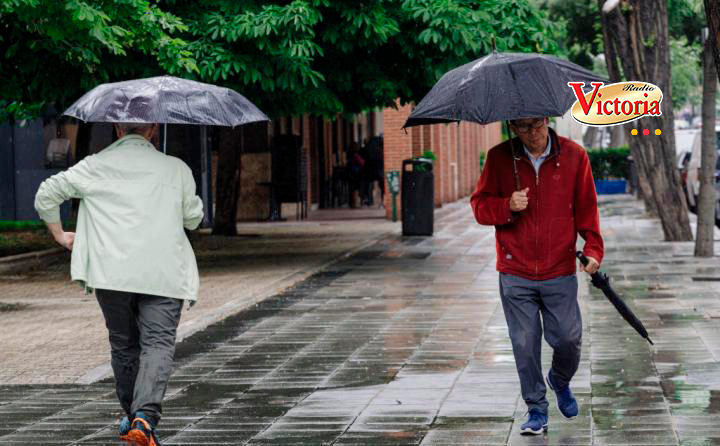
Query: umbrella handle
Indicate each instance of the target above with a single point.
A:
(584, 260)
(512, 154)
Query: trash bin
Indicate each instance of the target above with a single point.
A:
(418, 197)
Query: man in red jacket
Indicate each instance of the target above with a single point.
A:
(536, 227)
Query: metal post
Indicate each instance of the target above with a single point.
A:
(393, 179)
(165, 138)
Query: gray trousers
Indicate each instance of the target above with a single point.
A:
(142, 332)
(524, 301)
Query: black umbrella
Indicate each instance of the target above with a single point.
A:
(601, 281)
(165, 100)
(502, 86)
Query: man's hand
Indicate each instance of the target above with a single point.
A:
(65, 239)
(591, 267)
(519, 200)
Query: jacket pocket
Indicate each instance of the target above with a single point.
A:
(560, 242)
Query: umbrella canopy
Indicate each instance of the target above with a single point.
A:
(502, 86)
(165, 100)
(601, 281)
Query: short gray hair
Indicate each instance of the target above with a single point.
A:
(133, 127)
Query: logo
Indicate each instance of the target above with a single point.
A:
(615, 103)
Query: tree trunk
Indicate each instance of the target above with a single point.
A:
(636, 34)
(589, 137)
(617, 136)
(707, 199)
(227, 189)
(712, 12)
(644, 190)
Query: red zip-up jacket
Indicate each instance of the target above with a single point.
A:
(538, 243)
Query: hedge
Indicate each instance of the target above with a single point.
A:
(609, 163)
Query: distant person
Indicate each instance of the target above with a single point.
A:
(536, 228)
(375, 167)
(130, 247)
(355, 165)
(366, 177)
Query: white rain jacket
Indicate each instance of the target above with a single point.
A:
(134, 203)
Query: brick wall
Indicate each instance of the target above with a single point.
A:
(398, 145)
(456, 147)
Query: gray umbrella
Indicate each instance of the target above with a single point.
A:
(165, 100)
(502, 86)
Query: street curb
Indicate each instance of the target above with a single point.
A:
(15, 263)
(104, 371)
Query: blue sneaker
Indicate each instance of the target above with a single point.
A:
(536, 424)
(566, 402)
(124, 427)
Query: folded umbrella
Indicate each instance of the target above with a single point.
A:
(600, 280)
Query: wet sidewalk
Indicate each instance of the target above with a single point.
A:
(57, 334)
(405, 342)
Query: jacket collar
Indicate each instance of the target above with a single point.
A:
(132, 138)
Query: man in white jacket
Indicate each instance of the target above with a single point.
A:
(130, 247)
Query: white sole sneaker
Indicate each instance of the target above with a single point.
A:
(557, 402)
(529, 431)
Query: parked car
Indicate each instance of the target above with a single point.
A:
(681, 124)
(683, 159)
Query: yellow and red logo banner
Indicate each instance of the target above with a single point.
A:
(615, 103)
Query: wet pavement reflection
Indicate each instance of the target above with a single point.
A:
(405, 343)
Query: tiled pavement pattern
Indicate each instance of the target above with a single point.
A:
(405, 343)
(60, 336)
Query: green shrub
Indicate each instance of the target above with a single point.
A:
(609, 163)
(427, 155)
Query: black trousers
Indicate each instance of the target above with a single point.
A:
(142, 331)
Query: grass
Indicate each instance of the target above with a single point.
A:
(20, 224)
(18, 241)
(6, 308)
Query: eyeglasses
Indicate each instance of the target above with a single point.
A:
(526, 128)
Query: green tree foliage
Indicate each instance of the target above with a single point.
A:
(584, 41)
(581, 18)
(51, 51)
(686, 18)
(326, 57)
(686, 72)
(289, 57)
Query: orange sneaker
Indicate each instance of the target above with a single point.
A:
(141, 432)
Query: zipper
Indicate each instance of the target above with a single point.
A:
(537, 199)
(537, 205)
(537, 217)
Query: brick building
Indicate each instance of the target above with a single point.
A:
(457, 148)
(323, 145)
(299, 159)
